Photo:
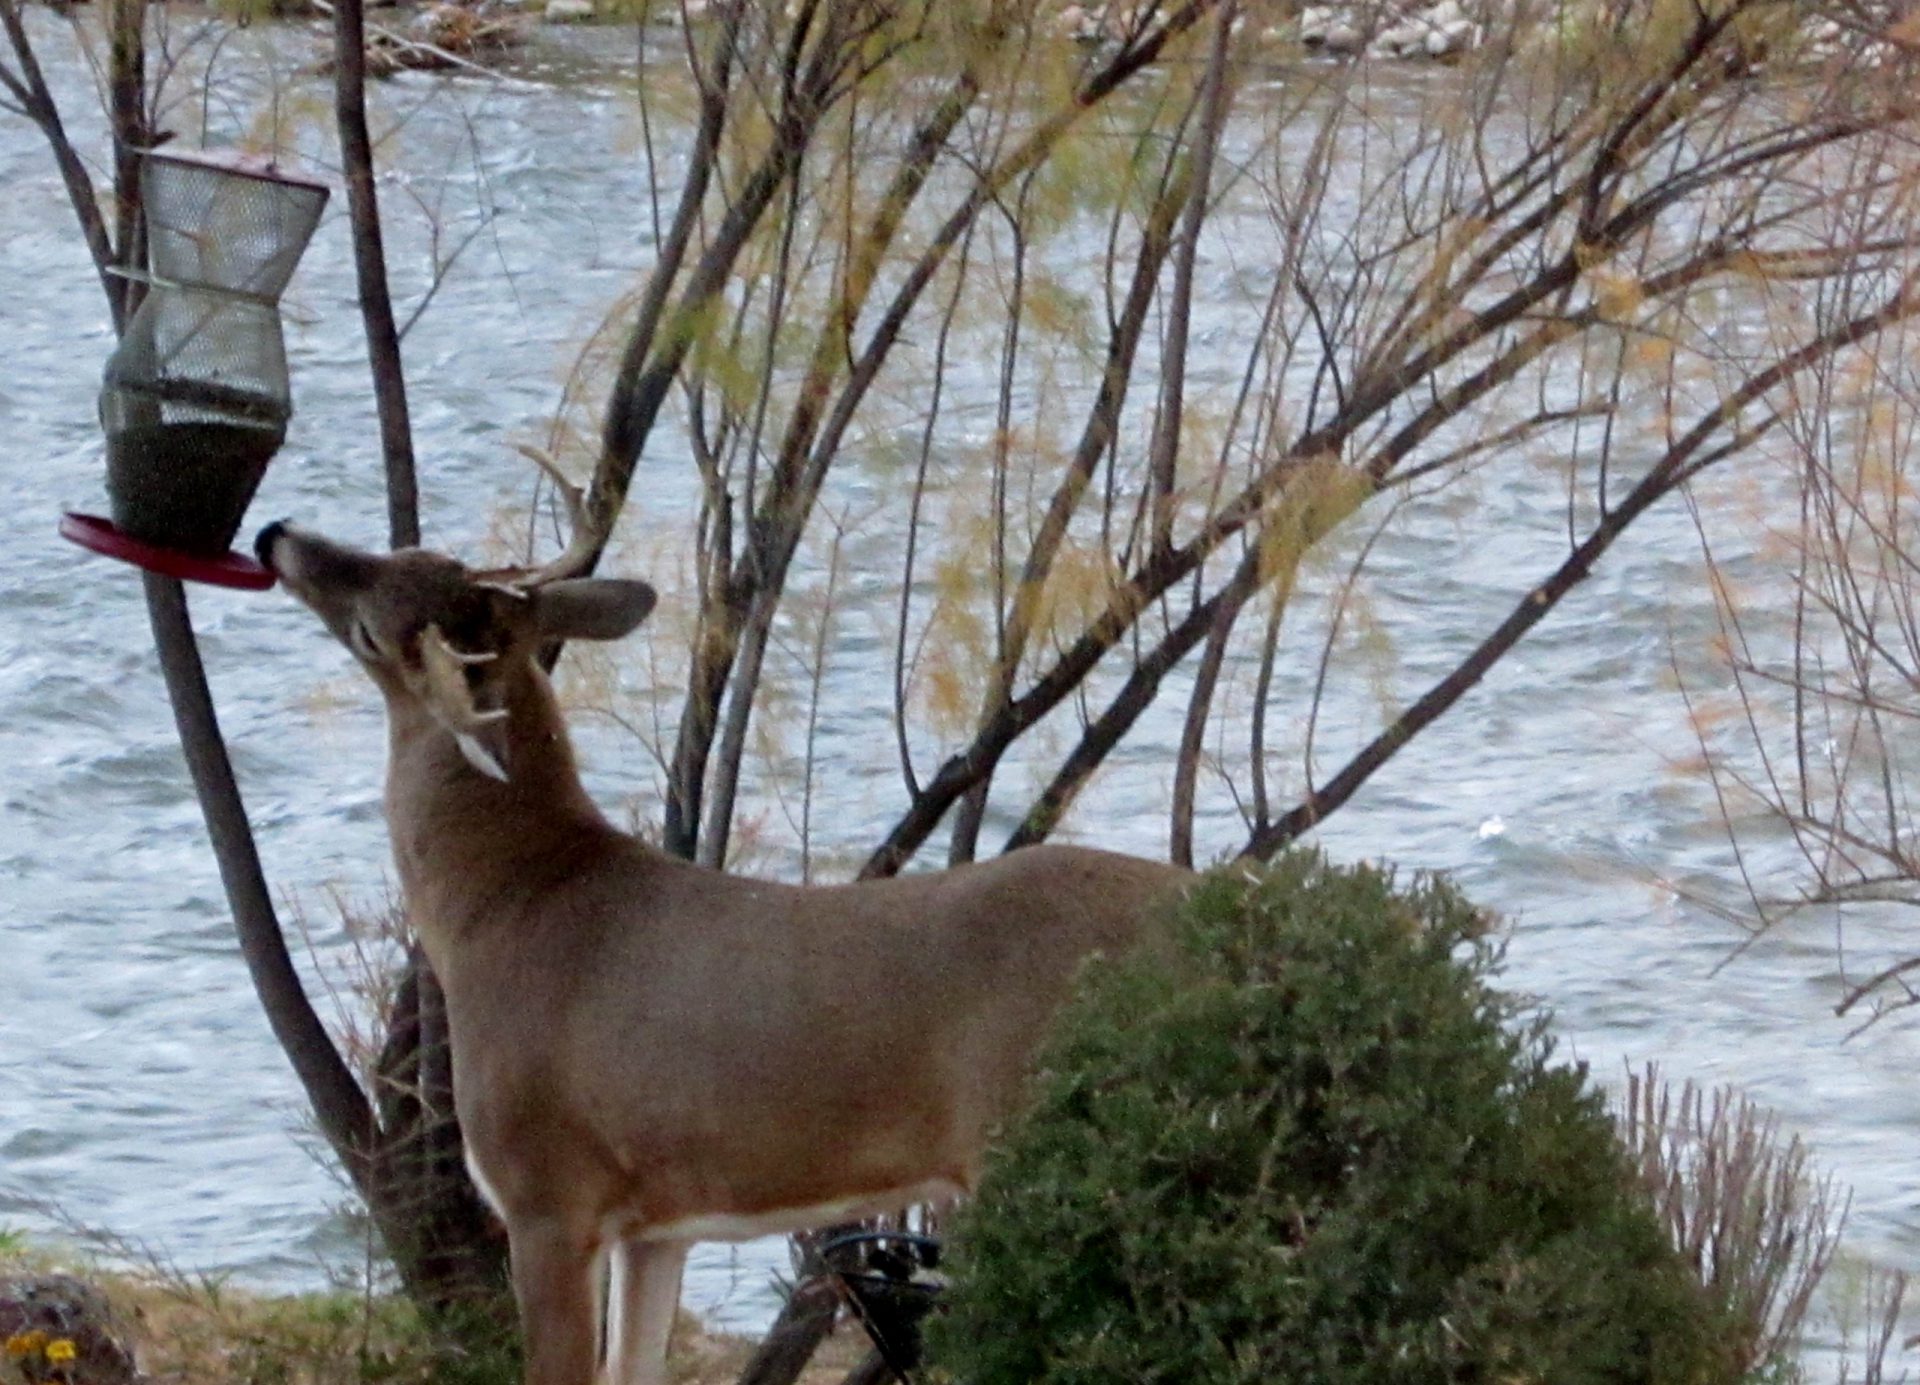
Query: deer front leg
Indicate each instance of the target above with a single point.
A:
(556, 1282)
(645, 1296)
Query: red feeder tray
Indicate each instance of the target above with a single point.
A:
(102, 536)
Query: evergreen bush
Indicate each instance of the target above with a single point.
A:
(1305, 1141)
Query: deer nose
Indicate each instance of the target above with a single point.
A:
(263, 542)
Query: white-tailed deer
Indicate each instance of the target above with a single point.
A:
(647, 1053)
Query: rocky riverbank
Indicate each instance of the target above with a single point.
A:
(1373, 30)
(1396, 30)
(1448, 28)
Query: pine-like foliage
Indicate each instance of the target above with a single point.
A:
(1305, 1141)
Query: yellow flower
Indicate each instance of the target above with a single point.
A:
(60, 1351)
(26, 1343)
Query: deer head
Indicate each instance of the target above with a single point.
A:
(450, 639)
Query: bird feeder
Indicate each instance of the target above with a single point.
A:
(196, 399)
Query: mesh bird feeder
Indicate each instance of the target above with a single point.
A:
(196, 398)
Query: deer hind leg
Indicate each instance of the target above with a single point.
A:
(645, 1295)
(556, 1281)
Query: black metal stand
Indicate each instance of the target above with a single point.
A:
(890, 1281)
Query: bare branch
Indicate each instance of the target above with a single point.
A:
(370, 272)
(1681, 462)
(29, 88)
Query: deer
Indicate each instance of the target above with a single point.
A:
(648, 1052)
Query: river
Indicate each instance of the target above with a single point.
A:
(140, 1092)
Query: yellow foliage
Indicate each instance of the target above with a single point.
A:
(956, 658)
(1619, 294)
(948, 699)
(1884, 480)
(735, 373)
(1454, 239)
(1089, 172)
(1321, 495)
(1652, 354)
(1591, 255)
(272, 128)
(1078, 586)
(1055, 310)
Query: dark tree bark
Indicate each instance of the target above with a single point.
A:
(341, 1107)
(431, 1219)
(370, 270)
(804, 1322)
(126, 109)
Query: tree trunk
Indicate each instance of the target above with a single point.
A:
(796, 1334)
(449, 1252)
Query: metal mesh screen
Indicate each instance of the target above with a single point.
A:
(189, 354)
(196, 400)
(218, 223)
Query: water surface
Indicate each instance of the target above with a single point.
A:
(140, 1091)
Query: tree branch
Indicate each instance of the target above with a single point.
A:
(370, 272)
(126, 98)
(344, 1115)
(1681, 463)
(36, 98)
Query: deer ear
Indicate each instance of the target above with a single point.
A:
(591, 608)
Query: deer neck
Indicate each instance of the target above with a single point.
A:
(465, 842)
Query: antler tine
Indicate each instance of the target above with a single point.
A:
(446, 682)
(583, 542)
(443, 675)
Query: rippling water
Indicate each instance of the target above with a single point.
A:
(139, 1088)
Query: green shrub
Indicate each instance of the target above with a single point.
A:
(1304, 1142)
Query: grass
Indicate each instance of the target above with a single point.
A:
(184, 1328)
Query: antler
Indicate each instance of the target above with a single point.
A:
(446, 674)
(444, 671)
(583, 543)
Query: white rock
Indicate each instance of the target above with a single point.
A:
(1396, 41)
(1343, 37)
(1084, 24)
(1435, 33)
(1825, 38)
(1449, 39)
(568, 11)
(1098, 24)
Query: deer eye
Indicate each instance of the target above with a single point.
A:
(360, 640)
